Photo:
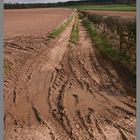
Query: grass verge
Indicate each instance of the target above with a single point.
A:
(101, 40)
(111, 7)
(56, 32)
(75, 34)
(106, 47)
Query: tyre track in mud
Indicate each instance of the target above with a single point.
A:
(25, 110)
(68, 92)
(98, 103)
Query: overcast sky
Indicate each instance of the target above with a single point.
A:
(34, 1)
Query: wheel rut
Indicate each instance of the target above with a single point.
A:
(67, 92)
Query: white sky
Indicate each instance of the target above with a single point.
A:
(34, 1)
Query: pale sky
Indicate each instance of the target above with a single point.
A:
(35, 1)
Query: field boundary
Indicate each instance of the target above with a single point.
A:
(75, 32)
(99, 27)
(60, 28)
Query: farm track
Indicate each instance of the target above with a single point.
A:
(63, 91)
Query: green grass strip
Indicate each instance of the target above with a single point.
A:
(56, 32)
(101, 41)
(75, 34)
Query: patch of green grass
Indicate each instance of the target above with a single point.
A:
(56, 32)
(7, 67)
(101, 41)
(75, 34)
(111, 7)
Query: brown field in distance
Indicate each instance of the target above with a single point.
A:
(33, 21)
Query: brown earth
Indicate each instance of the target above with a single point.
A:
(55, 90)
(33, 21)
(114, 13)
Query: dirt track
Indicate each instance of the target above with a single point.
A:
(65, 92)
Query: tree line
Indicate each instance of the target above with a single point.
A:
(63, 4)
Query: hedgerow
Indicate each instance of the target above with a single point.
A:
(123, 28)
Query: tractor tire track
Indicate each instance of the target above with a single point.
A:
(69, 94)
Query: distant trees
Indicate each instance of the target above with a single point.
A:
(110, 1)
(61, 4)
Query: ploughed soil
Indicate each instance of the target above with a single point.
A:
(114, 13)
(33, 21)
(57, 90)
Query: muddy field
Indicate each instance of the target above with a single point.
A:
(57, 90)
(114, 13)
